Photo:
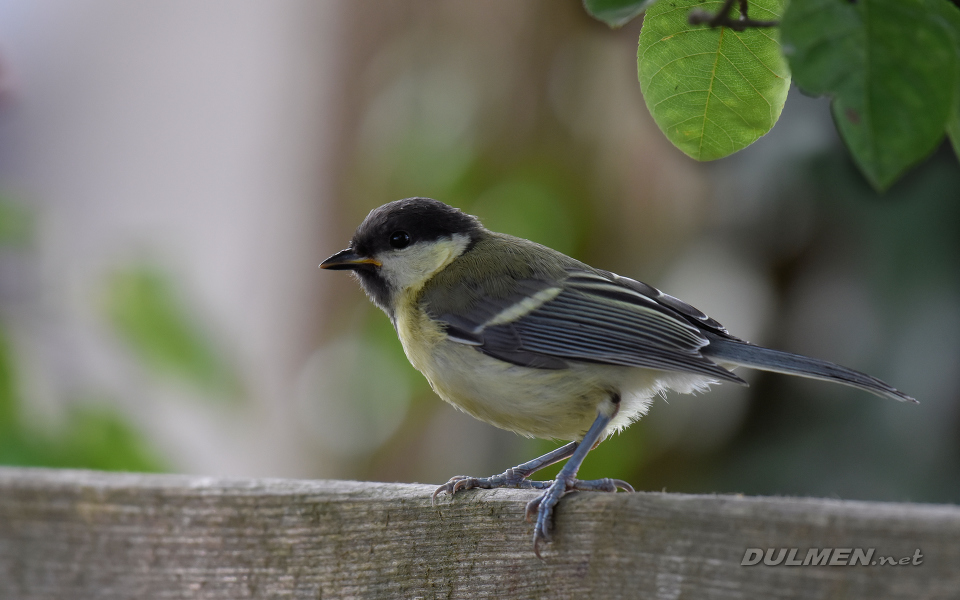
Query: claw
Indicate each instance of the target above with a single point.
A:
(450, 487)
(465, 483)
(532, 508)
(543, 530)
(543, 505)
(536, 543)
(540, 509)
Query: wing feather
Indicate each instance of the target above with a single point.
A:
(592, 316)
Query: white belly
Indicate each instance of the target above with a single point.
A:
(545, 403)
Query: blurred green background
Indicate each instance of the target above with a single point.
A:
(173, 174)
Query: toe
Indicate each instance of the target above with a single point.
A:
(443, 488)
(536, 543)
(451, 487)
(464, 483)
(542, 530)
(532, 508)
(543, 506)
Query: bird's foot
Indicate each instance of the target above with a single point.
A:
(542, 506)
(511, 478)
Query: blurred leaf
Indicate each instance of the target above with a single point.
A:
(92, 438)
(619, 457)
(8, 387)
(539, 194)
(616, 13)
(951, 16)
(149, 316)
(889, 66)
(528, 209)
(418, 133)
(357, 394)
(953, 127)
(420, 167)
(711, 91)
(910, 239)
(378, 331)
(98, 437)
(16, 223)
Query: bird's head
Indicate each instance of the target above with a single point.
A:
(402, 244)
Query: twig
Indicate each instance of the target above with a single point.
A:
(722, 18)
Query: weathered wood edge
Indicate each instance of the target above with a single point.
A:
(89, 534)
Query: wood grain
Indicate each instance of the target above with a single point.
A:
(79, 534)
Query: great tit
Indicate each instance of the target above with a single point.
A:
(530, 340)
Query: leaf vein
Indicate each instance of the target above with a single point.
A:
(678, 94)
(667, 64)
(718, 126)
(669, 37)
(750, 83)
(706, 105)
(734, 111)
(759, 60)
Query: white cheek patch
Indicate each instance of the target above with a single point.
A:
(411, 267)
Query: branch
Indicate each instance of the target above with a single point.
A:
(722, 18)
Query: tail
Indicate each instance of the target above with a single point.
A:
(741, 353)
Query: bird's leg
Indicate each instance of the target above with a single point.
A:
(515, 477)
(566, 481)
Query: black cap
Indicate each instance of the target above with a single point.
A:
(422, 219)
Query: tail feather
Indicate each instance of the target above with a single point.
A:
(748, 355)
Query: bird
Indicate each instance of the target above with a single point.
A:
(530, 340)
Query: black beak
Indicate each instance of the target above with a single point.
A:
(348, 260)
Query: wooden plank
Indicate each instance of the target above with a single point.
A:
(78, 534)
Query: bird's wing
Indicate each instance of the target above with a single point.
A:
(676, 306)
(591, 316)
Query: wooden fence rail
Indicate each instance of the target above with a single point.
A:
(79, 534)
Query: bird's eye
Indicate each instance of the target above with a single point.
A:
(399, 239)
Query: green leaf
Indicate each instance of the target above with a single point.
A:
(528, 208)
(151, 318)
(711, 91)
(16, 223)
(92, 437)
(951, 17)
(616, 13)
(97, 436)
(9, 412)
(953, 127)
(890, 68)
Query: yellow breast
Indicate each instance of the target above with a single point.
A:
(532, 402)
(418, 335)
